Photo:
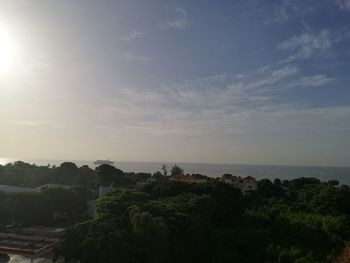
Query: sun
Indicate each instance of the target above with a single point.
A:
(8, 50)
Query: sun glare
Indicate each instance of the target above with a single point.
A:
(8, 50)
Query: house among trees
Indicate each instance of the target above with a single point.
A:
(230, 179)
(187, 179)
(246, 184)
(249, 184)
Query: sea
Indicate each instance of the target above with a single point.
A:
(324, 173)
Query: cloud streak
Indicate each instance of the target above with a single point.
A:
(306, 45)
(132, 35)
(128, 55)
(29, 123)
(343, 4)
(280, 16)
(220, 104)
(318, 80)
(180, 20)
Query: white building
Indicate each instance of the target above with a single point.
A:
(92, 204)
(246, 185)
(104, 190)
(91, 207)
(231, 179)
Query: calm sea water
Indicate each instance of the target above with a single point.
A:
(342, 174)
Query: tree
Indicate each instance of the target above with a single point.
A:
(67, 172)
(176, 170)
(268, 189)
(304, 220)
(151, 234)
(28, 209)
(277, 182)
(165, 170)
(69, 166)
(4, 215)
(333, 182)
(108, 174)
(158, 175)
(87, 176)
(61, 200)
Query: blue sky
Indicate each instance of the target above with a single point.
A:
(258, 82)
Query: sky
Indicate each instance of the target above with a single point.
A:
(241, 82)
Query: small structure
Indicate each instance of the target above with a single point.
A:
(9, 189)
(246, 185)
(104, 190)
(92, 204)
(187, 179)
(230, 179)
(30, 242)
(49, 186)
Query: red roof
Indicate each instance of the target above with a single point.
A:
(25, 245)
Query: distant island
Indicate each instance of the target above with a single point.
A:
(170, 216)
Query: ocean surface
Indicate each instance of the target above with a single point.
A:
(324, 173)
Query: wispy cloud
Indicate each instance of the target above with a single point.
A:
(222, 103)
(132, 35)
(30, 123)
(280, 16)
(131, 56)
(318, 80)
(306, 45)
(38, 123)
(284, 11)
(343, 4)
(275, 119)
(178, 22)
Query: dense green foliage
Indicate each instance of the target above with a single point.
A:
(30, 175)
(302, 220)
(61, 202)
(176, 170)
(50, 206)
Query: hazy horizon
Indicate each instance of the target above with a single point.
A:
(235, 82)
(169, 163)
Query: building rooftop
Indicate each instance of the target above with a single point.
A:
(15, 189)
(47, 186)
(31, 242)
(25, 245)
